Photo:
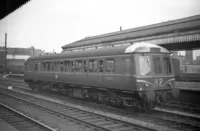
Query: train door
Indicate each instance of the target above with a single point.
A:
(33, 69)
(100, 72)
(85, 72)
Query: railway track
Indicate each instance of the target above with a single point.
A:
(90, 120)
(20, 121)
(182, 106)
(164, 118)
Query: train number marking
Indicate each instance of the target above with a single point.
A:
(160, 81)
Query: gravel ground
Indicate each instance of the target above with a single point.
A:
(5, 126)
(55, 122)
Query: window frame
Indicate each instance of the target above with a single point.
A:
(113, 66)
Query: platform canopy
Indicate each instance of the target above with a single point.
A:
(178, 31)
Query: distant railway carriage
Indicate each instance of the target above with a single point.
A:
(134, 75)
(186, 72)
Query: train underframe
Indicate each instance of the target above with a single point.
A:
(137, 101)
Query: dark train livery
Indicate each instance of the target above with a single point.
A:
(136, 75)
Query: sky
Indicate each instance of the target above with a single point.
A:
(50, 24)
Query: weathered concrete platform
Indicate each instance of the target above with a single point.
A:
(192, 86)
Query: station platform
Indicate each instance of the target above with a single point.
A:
(19, 76)
(191, 86)
(6, 127)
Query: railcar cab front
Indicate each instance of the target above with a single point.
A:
(154, 71)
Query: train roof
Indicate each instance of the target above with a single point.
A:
(119, 50)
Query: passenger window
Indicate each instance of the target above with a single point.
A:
(41, 66)
(36, 68)
(55, 66)
(93, 66)
(61, 66)
(79, 66)
(67, 66)
(44, 64)
(110, 65)
(48, 66)
(51, 66)
(85, 66)
(90, 66)
(72, 66)
(100, 65)
(128, 65)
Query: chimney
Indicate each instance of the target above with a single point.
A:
(120, 28)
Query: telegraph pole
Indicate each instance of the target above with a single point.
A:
(5, 52)
(7, 11)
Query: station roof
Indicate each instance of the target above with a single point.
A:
(173, 26)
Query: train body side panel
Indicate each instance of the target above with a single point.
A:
(99, 80)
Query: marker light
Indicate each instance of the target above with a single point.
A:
(170, 84)
(146, 85)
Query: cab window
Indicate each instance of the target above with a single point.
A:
(144, 63)
(157, 64)
(167, 65)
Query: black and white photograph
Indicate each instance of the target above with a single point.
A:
(99, 65)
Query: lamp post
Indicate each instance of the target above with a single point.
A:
(5, 52)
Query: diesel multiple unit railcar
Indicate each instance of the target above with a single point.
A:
(136, 75)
